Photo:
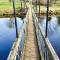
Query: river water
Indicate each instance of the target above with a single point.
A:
(53, 31)
(7, 35)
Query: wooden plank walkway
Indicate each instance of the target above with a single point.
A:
(31, 48)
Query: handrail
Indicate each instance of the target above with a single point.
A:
(46, 50)
(15, 48)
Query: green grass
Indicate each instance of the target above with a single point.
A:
(8, 5)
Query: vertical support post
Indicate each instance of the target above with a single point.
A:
(46, 54)
(21, 4)
(39, 8)
(15, 18)
(36, 7)
(47, 18)
(24, 3)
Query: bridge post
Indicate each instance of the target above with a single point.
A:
(21, 3)
(15, 18)
(24, 3)
(39, 11)
(36, 7)
(47, 18)
(39, 8)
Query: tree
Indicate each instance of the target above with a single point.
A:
(10, 1)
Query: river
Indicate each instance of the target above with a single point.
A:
(53, 31)
(8, 35)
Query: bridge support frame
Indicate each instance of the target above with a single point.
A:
(47, 14)
(15, 19)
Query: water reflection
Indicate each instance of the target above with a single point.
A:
(7, 35)
(53, 32)
(58, 20)
(11, 23)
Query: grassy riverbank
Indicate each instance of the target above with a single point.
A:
(4, 5)
(53, 10)
(6, 8)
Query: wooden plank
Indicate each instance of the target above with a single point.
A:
(31, 47)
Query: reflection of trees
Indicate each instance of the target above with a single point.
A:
(11, 23)
(49, 18)
(58, 20)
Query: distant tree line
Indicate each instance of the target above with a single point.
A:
(43, 2)
(15, 0)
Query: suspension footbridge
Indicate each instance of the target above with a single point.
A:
(36, 46)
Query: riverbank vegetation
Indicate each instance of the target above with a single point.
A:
(54, 8)
(6, 7)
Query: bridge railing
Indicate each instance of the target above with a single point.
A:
(47, 52)
(17, 49)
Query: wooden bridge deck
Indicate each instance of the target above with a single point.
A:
(31, 47)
